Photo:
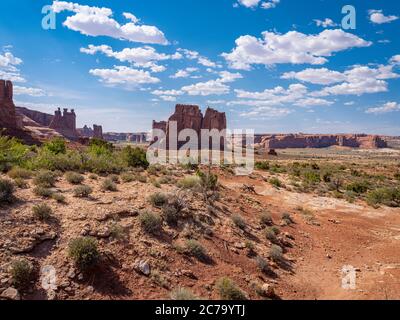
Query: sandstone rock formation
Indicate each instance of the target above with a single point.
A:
(322, 141)
(87, 132)
(97, 131)
(191, 117)
(8, 118)
(65, 123)
(41, 118)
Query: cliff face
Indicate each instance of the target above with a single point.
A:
(8, 117)
(323, 141)
(191, 117)
(41, 118)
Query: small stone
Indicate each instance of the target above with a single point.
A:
(71, 274)
(239, 245)
(268, 290)
(51, 295)
(143, 267)
(11, 294)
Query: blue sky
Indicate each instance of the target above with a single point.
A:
(272, 66)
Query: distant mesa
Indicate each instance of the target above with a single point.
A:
(191, 117)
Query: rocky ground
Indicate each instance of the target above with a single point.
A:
(326, 234)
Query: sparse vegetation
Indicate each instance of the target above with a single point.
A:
(228, 290)
(239, 221)
(195, 249)
(287, 218)
(271, 235)
(276, 253)
(82, 191)
(43, 192)
(84, 252)
(172, 210)
(183, 294)
(42, 212)
(108, 185)
(74, 177)
(275, 182)
(266, 219)
(158, 199)
(45, 179)
(190, 182)
(128, 177)
(21, 183)
(19, 173)
(151, 223)
(6, 191)
(21, 273)
(60, 198)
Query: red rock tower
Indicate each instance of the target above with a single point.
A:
(8, 118)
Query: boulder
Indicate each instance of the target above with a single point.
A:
(11, 294)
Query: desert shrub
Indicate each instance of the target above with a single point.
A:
(74, 177)
(266, 219)
(21, 183)
(82, 191)
(43, 192)
(150, 222)
(166, 180)
(42, 212)
(286, 217)
(45, 179)
(190, 164)
(118, 232)
(21, 273)
(56, 146)
(83, 251)
(102, 163)
(195, 249)
(58, 197)
(386, 196)
(358, 187)
(239, 221)
(114, 178)
(275, 182)
(6, 191)
(262, 165)
(276, 253)
(172, 210)
(108, 185)
(134, 157)
(142, 178)
(209, 181)
(228, 290)
(12, 153)
(127, 177)
(189, 182)
(155, 183)
(153, 169)
(158, 199)
(19, 173)
(397, 175)
(311, 177)
(100, 147)
(327, 176)
(183, 294)
(271, 235)
(72, 160)
(263, 265)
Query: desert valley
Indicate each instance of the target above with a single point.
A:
(83, 215)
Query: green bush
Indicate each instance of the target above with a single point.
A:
(100, 147)
(158, 199)
(6, 191)
(262, 165)
(358, 187)
(271, 235)
(108, 185)
(209, 181)
(266, 219)
(263, 265)
(21, 183)
(43, 192)
(56, 146)
(311, 177)
(275, 182)
(46, 179)
(276, 253)
(135, 157)
(74, 177)
(239, 221)
(58, 197)
(114, 178)
(19, 173)
(183, 294)
(118, 232)
(21, 273)
(386, 196)
(82, 191)
(42, 212)
(12, 153)
(228, 290)
(195, 249)
(189, 182)
(172, 210)
(128, 177)
(83, 251)
(150, 222)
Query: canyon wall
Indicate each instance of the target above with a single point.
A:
(8, 117)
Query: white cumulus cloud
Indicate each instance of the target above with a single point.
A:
(377, 16)
(386, 108)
